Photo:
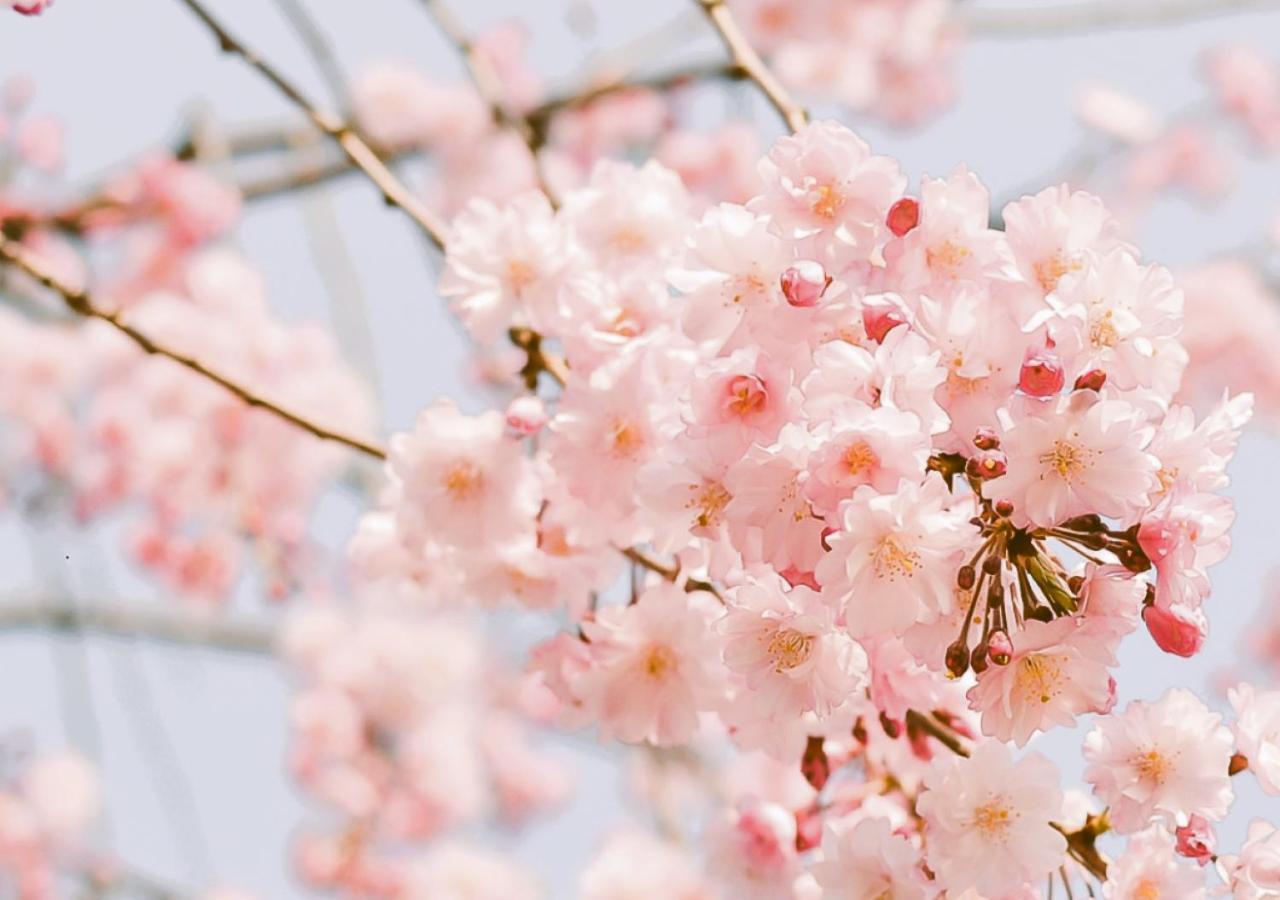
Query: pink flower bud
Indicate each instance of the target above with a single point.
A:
(804, 283)
(903, 216)
(1041, 374)
(879, 319)
(31, 7)
(1179, 630)
(987, 464)
(1195, 840)
(986, 439)
(526, 415)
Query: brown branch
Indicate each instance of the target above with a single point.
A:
(746, 58)
(1040, 20)
(361, 155)
(927, 724)
(80, 303)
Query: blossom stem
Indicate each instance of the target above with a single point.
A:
(746, 58)
(80, 303)
(356, 149)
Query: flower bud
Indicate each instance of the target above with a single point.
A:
(1041, 374)
(878, 319)
(804, 283)
(957, 659)
(1093, 380)
(988, 464)
(1000, 648)
(903, 216)
(526, 415)
(966, 578)
(978, 660)
(1176, 629)
(1195, 840)
(1004, 508)
(986, 439)
(1237, 764)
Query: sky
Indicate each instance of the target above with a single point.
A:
(193, 743)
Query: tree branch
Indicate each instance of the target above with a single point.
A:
(361, 155)
(746, 58)
(136, 620)
(1043, 20)
(80, 303)
(489, 86)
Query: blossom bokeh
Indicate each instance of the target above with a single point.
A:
(215, 762)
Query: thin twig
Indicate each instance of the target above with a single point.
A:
(488, 85)
(746, 58)
(1040, 20)
(135, 620)
(362, 156)
(80, 303)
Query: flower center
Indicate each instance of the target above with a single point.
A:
(710, 500)
(1102, 331)
(828, 202)
(947, 256)
(747, 395)
(659, 662)
(789, 648)
(463, 480)
(625, 438)
(1067, 459)
(1146, 889)
(892, 560)
(859, 457)
(1153, 766)
(1050, 271)
(1038, 678)
(519, 275)
(993, 819)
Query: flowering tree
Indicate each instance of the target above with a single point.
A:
(828, 490)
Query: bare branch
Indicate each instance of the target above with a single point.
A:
(362, 156)
(489, 86)
(80, 303)
(746, 58)
(136, 620)
(1041, 20)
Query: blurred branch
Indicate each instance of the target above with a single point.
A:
(318, 46)
(746, 58)
(80, 303)
(1044, 20)
(488, 84)
(361, 155)
(135, 620)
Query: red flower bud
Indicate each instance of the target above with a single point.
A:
(1177, 629)
(879, 319)
(1041, 374)
(1195, 840)
(903, 216)
(1093, 380)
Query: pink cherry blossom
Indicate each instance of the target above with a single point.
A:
(1257, 732)
(1254, 874)
(987, 820)
(1160, 760)
(1150, 868)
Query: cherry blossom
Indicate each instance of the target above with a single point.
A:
(1160, 760)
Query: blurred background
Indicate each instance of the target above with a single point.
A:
(192, 743)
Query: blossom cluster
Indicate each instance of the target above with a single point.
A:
(46, 806)
(892, 478)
